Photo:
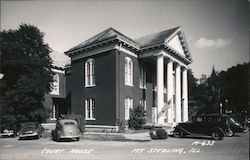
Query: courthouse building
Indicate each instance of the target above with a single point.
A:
(111, 73)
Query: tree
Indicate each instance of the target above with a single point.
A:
(137, 118)
(26, 65)
(234, 88)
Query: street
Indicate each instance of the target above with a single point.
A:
(230, 148)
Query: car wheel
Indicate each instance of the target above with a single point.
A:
(178, 134)
(57, 138)
(230, 133)
(77, 139)
(217, 135)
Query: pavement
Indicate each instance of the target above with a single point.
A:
(107, 136)
(129, 135)
(189, 148)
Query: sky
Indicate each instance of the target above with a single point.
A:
(217, 31)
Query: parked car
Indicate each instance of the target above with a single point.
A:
(30, 130)
(235, 126)
(8, 130)
(7, 133)
(215, 125)
(66, 129)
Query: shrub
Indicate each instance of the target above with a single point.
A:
(137, 118)
(161, 133)
(121, 126)
(78, 117)
(153, 134)
(158, 134)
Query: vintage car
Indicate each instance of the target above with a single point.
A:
(215, 125)
(7, 133)
(235, 126)
(66, 129)
(30, 130)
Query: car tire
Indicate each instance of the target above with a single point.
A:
(230, 133)
(57, 139)
(217, 134)
(178, 133)
(77, 139)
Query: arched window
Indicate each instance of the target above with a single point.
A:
(128, 71)
(55, 85)
(89, 73)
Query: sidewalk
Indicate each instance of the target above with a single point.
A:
(142, 136)
(107, 136)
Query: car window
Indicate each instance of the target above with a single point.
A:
(198, 119)
(69, 123)
(219, 119)
(30, 125)
(211, 119)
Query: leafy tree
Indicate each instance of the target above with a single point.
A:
(26, 65)
(229, 88)
(213, 91)
(137, 118)
(234, 88)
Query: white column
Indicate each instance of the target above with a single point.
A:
(160, 88)
(178, 93)
(185, 95)
(170, 90)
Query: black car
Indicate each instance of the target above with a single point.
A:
(235, 126)
(215, 125)
(31, 130)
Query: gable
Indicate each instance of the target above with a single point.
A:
(176, 44)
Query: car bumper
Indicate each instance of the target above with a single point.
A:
(69, 137)
(7, 134)
(28, 135)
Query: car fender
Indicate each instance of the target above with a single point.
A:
(218, 129)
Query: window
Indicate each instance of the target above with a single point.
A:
(55, 85)
(199, 119)
(142, 81)
(128, 106)
(53, 112)
(90, 109)
(128, 71)
(143, 103)
(89, 73)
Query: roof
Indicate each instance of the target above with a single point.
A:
(155, 38)
(62, 121)
(105, 35)
(110, 34)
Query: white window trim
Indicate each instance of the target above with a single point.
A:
(143, 103)
(128, 71)
(55, 85)
(53, 112)
(87, 116)
(89, 77)
(128, 106)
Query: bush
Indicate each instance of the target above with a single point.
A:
(159, 134)
(78, 117)
(137, 118)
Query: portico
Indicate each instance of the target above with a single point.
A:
(171, 59)
(174, 108)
